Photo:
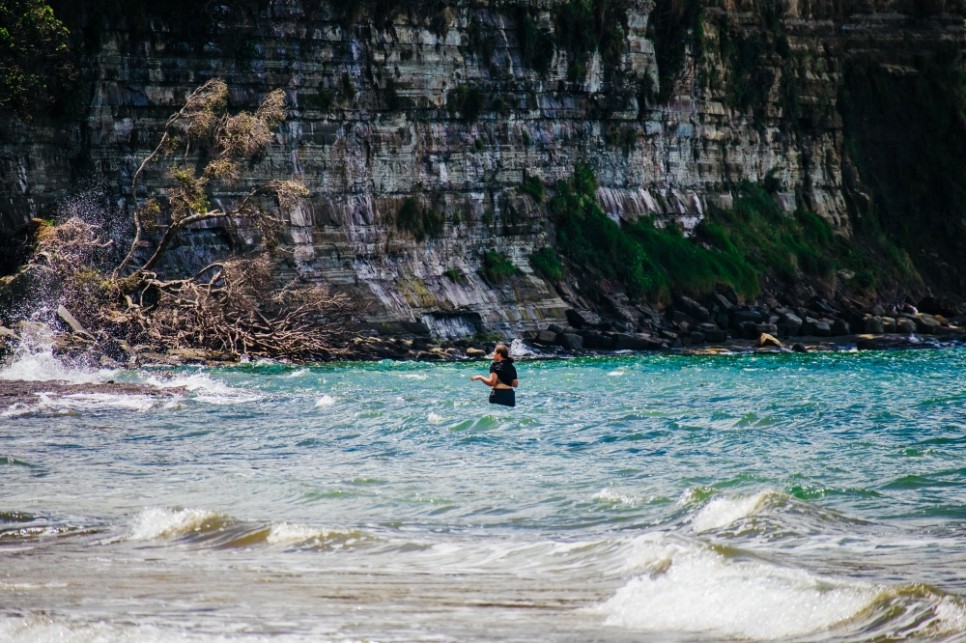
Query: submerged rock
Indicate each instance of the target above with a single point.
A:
(26, 392)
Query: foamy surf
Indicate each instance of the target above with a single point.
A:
(34, 361)
(324, 401)
(158, 523)
(721, 512)
(689, 588)
(203, 388)
(294, 535)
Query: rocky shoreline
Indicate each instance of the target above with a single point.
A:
(720, 325)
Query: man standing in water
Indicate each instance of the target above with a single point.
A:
(502, 379)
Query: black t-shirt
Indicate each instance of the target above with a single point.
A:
(505, 371)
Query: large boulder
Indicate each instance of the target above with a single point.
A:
(582, 318)
(711, 332)
(789, 324)
(928, 325)
(769, 329)
(636, 342)
(905, 325)
(547, 337)
(596, 340)
(840, 327)
(872, 324)
(817, 327)
(693, 309)
(571, 341)
(747, 315)
(722, 302)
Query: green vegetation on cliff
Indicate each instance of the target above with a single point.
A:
(35, 67)
(745, 247)
(497, 267)
(675, 27)
(422, 223)
(906, 132)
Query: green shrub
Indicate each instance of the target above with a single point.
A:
(456, 275)
(905, 133)
(533, 186)
(468, 101)
(536, 44)
(547, 264)
(590, 239)
(586, 26)
(420, 222)
(36, 71)
(497, 267)
(673, 26)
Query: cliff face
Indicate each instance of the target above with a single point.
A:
(415, 130)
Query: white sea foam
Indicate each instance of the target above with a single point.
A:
(79, 403)
(17, 410)
(607, 495)
(325, 400)
(98, 401)
(518, 349)
(43, 629)
(952, 615)
(435, 418)
(692, 589)
(34, 361)
(289, 534)
(204, 388)
(721, 512)
(160, 522)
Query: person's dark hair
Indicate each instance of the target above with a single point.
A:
(504, 352)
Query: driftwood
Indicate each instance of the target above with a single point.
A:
(229, 307)
(232, 307)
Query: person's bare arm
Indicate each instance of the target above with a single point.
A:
(489, 381)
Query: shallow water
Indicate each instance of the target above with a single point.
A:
(652, 497)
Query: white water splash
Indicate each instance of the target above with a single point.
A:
(203, 387)
(325, 401)
(519, 349)
(607, 495)
(288, 534)
(80, 403)
(43, 629)
(158, 522)
(34, 361)
(721, 512)
(693, 589)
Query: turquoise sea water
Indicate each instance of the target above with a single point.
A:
(637, 497)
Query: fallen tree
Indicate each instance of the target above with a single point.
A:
(231, 307)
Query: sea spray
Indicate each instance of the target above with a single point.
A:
(691, 588)
(33, 360)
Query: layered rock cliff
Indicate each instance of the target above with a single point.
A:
(416, 128)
